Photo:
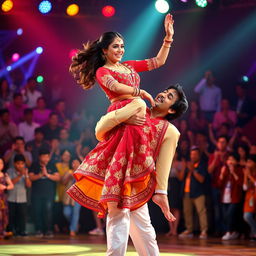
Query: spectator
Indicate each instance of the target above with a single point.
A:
(210, 96)
(27, 128)
(215, 163)
(55, 151)
(30, 94)
(250, 197)
(36, 144)
(8, 131)
(225, 115)
(52, 129)
(183, 150)
(194, 177)
(60, 110)
(65, 143)
(44, 176)
(5, 184)
(41, 113)
(196, 120)
(18, 147)
(71, 208)
(63, 166)
(175, 193)
(231, 182)
(243, 152)
(243, 105)
(16, 108)
(17, 198)
(5, 94)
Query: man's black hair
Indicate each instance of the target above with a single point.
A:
(19, 158)
(181, 104)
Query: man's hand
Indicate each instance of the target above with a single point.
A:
(136, 119)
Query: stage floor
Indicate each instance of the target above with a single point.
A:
(85, 245)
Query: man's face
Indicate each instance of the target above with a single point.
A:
(44, 159)
(194, 156)
(222, 144)
(164, 100)
(20, 145)
(19, 166)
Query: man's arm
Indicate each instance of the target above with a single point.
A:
(165, 158)
(114, 118)
(200, 86)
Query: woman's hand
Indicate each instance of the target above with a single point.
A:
(168, 25)
(147, 96)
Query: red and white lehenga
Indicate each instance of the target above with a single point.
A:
(122, 167)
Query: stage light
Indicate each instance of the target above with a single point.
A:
(45, 7)
(184, 1)
(19, 31)
(72, 10)
(108, 11)
(201, 3)
(162, 6)
(72, 53)
(39, 50)
(8, 68)
(40, 79)
(245, 79)
(7, 5)
(15, 57)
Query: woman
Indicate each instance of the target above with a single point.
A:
(119, 172)
(5, 184)
(71, 209)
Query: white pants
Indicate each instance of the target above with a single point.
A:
(136, 223)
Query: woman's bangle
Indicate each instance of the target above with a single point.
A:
(168, 41)
(166, 46)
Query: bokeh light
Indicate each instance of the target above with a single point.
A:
(162, 6)
(245, 79)
(19, 31)
(108, 11)
(7, 5)
(40, 79)
(201, 3)
(8, 68)
(45, 7)
(72, 10)
(72, 53)
(39, 50)
(15, 57)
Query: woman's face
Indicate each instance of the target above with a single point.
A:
(41, 103)
(66, 157)
(231, 161)
(241, 152)
(115, 51)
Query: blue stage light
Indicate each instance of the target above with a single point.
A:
(39, 50)
(8, 68)
(19, 31)
(45, 7)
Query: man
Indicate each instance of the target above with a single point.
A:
(27, 128)
(44, 176)
(30, 94)
(8, 131)
(16, 108)
(17, 198)
(170, 104)
(216, 161)
(52, 129)
(18, 147)
(194, 180)
(210, 96)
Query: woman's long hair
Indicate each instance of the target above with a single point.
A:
(86, 62)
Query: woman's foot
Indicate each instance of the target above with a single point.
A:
(162, 201)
